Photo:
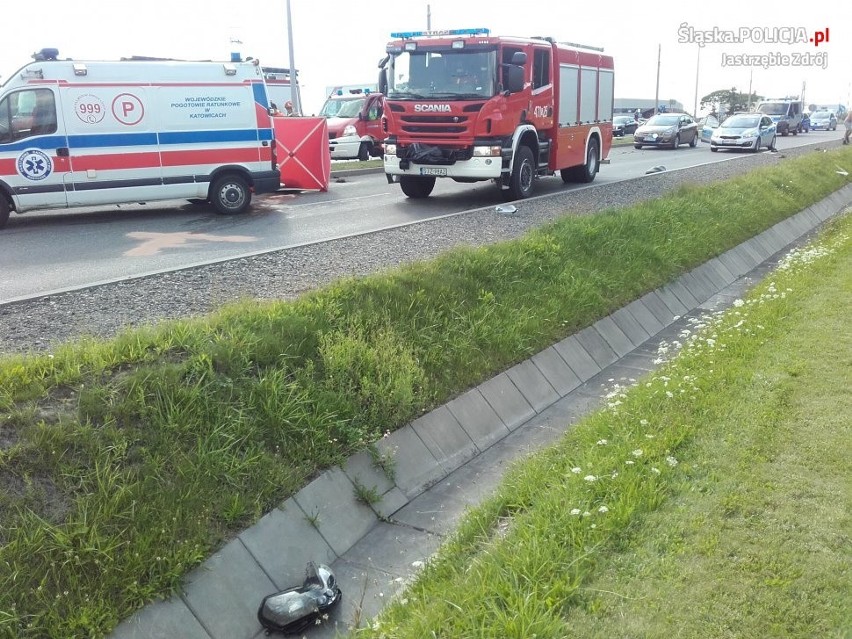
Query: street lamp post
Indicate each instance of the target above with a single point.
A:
(294, 84)
(657, 93)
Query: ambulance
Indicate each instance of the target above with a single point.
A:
(90, 133)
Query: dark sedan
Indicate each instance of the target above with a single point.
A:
(667, 130)
(623, 125)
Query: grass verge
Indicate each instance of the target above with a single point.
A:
(128, 461)
(710, 500)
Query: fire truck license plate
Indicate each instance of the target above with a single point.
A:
(426, 170)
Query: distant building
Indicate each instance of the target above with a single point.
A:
(646, 106)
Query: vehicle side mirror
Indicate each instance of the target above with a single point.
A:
(383, 82)
(514, 77)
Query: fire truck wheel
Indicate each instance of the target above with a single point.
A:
(230, 195)
(363, 152)
(585, 172)
(590, 169)
(523, 173)
(4, 210)
(416, 187)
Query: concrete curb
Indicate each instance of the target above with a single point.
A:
(444, 461)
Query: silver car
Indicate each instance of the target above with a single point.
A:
(749, 131)
(825, 120)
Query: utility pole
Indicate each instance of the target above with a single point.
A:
(294, 84)
(750, 73)
(697, 66)
(428, 17)
(657, 94)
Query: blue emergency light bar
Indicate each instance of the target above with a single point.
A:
(442, 32)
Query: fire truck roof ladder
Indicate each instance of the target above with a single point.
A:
(570, 44)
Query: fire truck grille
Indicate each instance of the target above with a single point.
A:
(436, 124)
(428, 154)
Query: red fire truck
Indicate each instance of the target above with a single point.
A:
(469, 106)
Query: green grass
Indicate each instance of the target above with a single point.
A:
(624, 140)
(356, 164)
(710, 500)
(129, 461)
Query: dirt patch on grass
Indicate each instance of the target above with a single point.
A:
(36, 493)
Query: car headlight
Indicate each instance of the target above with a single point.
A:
(390, 149)
(350, 130)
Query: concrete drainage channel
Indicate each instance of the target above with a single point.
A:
(447, 460)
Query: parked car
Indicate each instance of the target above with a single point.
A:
(623, 125)
(749, 131)
(668, 130)
(823, 121)
(706, 126)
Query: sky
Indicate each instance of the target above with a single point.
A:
(340, 43)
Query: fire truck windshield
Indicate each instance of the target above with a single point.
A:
(342, 108)
(446, 74)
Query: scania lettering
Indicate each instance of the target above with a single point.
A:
(465, 105)
(88, 133)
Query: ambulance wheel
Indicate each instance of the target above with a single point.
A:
(416, 187)
(4, 210)
(364, 152)
(230, 195)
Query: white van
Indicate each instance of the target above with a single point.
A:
(787, 114)
(86, 133)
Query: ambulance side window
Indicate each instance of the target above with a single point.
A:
(44, 113)
(5, 121)
(24, 114)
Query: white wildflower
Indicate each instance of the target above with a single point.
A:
(603, 509)
(590, 478)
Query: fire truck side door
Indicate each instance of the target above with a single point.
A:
(541, 108)
(373, 117)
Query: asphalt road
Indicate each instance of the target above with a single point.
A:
(52, 251)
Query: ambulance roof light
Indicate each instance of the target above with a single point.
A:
(404, 35)
(80, 69)
(230, 69)
(46, 54)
